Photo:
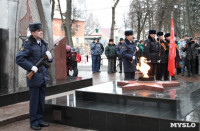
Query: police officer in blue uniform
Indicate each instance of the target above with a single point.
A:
(29, 54)
(128, 51)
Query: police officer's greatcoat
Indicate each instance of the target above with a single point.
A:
(29, 54)
(128, 50)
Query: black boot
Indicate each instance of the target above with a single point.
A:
(173, 78)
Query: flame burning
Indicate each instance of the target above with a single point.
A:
(143, 67)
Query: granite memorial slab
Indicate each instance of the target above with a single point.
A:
(63, 85)
(108, 107)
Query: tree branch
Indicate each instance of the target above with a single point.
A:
(60, 12)
(52, 9)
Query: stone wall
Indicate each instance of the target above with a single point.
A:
(15, 12)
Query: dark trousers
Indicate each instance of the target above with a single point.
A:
(183, 65)
(199, 63)
(129, 75)
(115, 60)
(120, 65)
(162, 71)
(178, 70)
(87, 57)
(99, 63)
(158, 73)
(36, 106)
(190, 66)
(111, 65)
(196, 65)
(75, 71)
(152, 70)
(96, 62)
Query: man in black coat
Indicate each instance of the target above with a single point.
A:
(118, 50)
(163, 58)
(190, 49)
(151, 51)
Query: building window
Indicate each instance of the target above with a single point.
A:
(77, 40)
(77, 27)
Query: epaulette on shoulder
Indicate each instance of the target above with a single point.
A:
(27, 42)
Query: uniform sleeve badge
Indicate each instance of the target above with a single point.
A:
(123, 47)
(22, 48)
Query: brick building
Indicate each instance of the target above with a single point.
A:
(77, 31)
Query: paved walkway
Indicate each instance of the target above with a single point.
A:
(84, 71)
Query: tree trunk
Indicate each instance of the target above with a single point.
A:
(161, 16)
(61, 13)
(113, 20)
(113, 24)
(68, 32)
(52, 9)
(138, 30)
(141, 27)
(149, 17)
(188, 19)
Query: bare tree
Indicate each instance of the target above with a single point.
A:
(138, 15)
(52, 9)
(125, 20)
(71, 14)
(68, 16)
(113, 19)
(186, 16)
(61, 15)
(90, 24)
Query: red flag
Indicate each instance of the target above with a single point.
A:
(172, 51)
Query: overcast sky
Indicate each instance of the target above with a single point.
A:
(101, 9)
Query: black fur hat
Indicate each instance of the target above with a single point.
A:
(160, 34)
(35, 26)
(128, 32)
(111, 40)
(167, 35)
(152, 31)
(121, 39)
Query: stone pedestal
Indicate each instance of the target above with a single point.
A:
(60, 58)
